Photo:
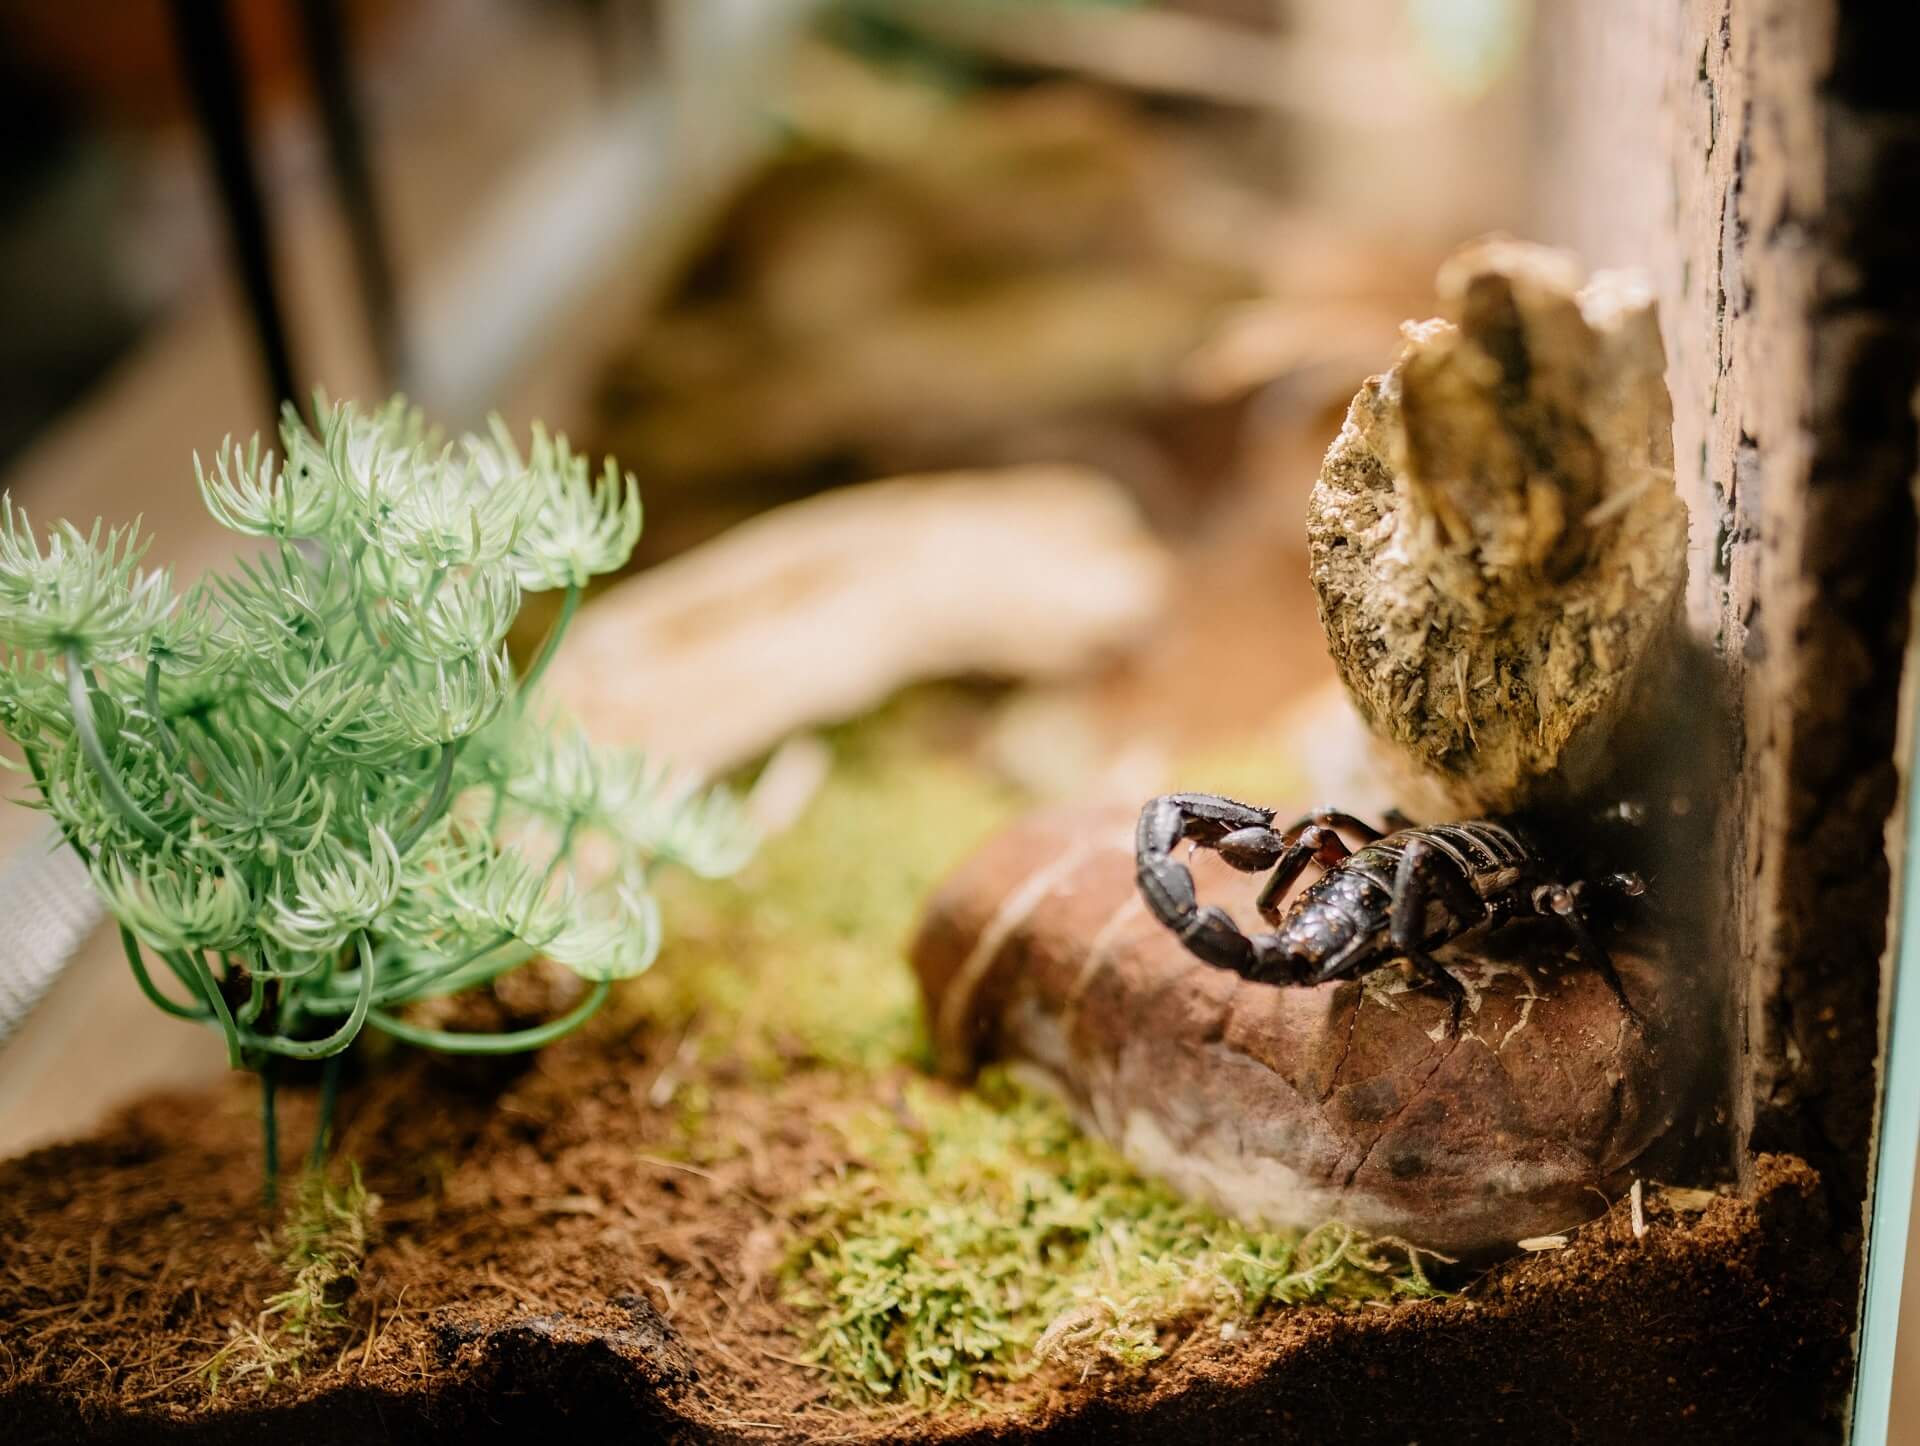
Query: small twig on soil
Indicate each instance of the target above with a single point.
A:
(711, 1179)
(65, 1308)
(169, 1383)
(571, 1205)
(525, 1297)
(93, 1263)
(667, 1082)
(713, 1344)
(814, 1366)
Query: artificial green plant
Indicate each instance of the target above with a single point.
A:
(313, 791)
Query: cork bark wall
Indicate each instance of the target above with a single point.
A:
(1760, 159)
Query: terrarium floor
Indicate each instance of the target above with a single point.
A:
(550, 1254)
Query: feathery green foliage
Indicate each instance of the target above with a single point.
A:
(313, 790)
(991, 1234)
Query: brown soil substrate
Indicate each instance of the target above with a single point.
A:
(549, 1260)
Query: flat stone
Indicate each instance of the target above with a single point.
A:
(1351, 1101)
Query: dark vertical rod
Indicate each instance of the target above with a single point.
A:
(603, 39)
(330, 68)
(329, 1101)
(269, 1128)
(204, 33)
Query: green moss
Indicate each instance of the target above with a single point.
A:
(320, 1245)
(981, 1233)
(802, 957)
(970, 1235)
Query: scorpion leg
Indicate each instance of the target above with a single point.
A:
(1334, 818)
(1311, 838)
(1424, 875)
(1560, 902)
(1604, 896)
(1312, 844)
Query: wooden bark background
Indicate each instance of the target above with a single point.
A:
(1760, 159)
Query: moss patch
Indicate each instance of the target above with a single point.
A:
(320, 1244)
(980, 1234)
(970, 1236)
(802, 957)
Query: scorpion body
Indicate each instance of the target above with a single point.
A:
(1400, 894)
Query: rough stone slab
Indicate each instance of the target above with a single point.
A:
(1495, 540)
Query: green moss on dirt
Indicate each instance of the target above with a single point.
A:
(801, 958)
(980, 1234)
(320, 1244)
(972, 1235)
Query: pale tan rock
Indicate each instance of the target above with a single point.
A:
(1293, 1106)
(817, 611)
(1495, 540)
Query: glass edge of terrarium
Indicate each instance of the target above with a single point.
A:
(1897, 1124)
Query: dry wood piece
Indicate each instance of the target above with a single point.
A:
(1495, 539)
(1293, 1106)
(820, 610)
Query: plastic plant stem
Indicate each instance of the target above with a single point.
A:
(256, 1000)
(450, 1043)
(329, 1097)
(551, 645)
(341, 1037)
(196, 968)
(150, 989)
(409, 988)
(437, 801)
(560, 850)
(89, 735)
(269, 1132)
(160, 728)
(188, 979)
(475, 974)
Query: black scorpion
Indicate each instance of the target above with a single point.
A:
(1401, 894)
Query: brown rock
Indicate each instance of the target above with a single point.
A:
(1292, 1106)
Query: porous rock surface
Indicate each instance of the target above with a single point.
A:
(1293, 1106)
(1495, 540)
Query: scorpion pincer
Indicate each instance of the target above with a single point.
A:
(1402, 893)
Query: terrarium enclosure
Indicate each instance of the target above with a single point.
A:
(1203, 738)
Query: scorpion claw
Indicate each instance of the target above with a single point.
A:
(1251, 850)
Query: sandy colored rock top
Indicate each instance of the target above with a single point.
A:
(1495, 540)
